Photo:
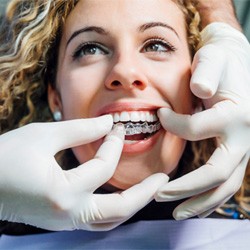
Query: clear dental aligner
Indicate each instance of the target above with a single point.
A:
(138, 128)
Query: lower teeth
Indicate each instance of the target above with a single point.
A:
(138, 128)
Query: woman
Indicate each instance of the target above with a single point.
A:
(137, 75)
(126, 68)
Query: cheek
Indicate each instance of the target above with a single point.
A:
(171, 152)
(175, 88)
(84, 153)
(87, 152)
(78, 92)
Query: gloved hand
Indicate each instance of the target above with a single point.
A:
(35, 190)
(221, 77)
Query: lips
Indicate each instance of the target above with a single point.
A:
(141, 123)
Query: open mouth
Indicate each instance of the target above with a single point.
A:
(139, 125)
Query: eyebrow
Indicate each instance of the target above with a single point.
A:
(150, 25)
(101, 31)
(96, 29)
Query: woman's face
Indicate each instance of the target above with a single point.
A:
(126, 58)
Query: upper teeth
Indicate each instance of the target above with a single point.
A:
(135, 116)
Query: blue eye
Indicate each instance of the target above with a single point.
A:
(89, 49)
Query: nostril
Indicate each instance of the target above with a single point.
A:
(116, 83)
(137, 83)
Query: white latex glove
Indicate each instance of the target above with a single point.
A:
(35, 190)
(221, 77)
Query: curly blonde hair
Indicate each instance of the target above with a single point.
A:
(30, 36)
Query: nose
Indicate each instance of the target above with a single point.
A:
(126, 73)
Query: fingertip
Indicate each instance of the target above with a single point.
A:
(155, 181)
(163, 111)
(158, 197)
(206, 72)
(140, 194)
(176, 215)
(181, 215)
(162, 178)
(162, 196)
(202, 90)
(163, 115)
(118, 130)
(105, 120)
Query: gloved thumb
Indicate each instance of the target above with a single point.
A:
(207, 68)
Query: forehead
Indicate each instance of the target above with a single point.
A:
(124, 13)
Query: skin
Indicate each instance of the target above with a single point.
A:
(130, 69)
(217, 11)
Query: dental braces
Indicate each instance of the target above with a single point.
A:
(138, 128)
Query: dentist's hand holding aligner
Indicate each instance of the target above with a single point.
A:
(221, 77)
(36, 191)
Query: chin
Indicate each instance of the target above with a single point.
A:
(128, 175)
(122, 183)
(133, 168)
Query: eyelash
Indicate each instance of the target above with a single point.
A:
(85, 45)
(154, 40)
(161, 41)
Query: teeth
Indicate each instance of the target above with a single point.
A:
(124, 116)
(137, 122)
(116, 117)
(135, 116)
(138, 128)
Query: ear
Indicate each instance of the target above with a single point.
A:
(54, 99)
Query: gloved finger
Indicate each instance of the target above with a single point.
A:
(192, 207)
(218, 170)
(103, 226)
(210, 211)
(202, 125)
(67, 134)
(118, 207)
(207, 68)
(211, 199)
(100, 169)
